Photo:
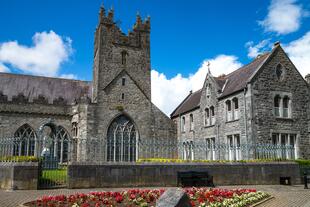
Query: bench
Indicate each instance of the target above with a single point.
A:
(199, 178)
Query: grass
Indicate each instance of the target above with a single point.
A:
(54, 177)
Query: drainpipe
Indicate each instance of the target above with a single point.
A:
(245, 121)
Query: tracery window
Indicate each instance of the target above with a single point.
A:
(121, 141)
(62, 147)
(24, 143)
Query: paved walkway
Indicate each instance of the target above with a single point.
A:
(285, 196)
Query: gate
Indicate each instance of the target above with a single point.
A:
(52, 174)
(54, 156)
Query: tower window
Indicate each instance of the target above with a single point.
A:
(124, 56)
(123, 96)
(123, 81)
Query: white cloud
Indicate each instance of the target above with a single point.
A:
(68, 76)
(284, 16)
(3, 68)
(167, 94)
(299, 52)
(254, 50)
(44, 57)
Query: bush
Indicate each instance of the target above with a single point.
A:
(303, 162)
(164, 160)
(19, 159)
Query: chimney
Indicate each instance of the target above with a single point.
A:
(308, 78)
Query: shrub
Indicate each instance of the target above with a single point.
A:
(19, 159)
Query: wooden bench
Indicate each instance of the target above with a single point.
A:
(199, 178)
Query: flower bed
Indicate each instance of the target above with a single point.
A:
(201, 197)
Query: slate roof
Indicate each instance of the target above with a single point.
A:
(12, 85)
(191, 102)
(233, 82)
(237, 80)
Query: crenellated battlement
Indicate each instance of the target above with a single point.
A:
(42, 100)
(115, 51)
(137, 37)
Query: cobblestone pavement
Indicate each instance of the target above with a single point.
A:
(284, 196)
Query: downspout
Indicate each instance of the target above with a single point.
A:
(245, 121)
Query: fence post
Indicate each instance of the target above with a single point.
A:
(305, 180)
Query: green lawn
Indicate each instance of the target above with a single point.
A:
(54, 177)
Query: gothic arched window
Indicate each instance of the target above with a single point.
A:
(121, 142)
(62, 147)
(24, 144)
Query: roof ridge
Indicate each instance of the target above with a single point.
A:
(246, 65)
(44, 77)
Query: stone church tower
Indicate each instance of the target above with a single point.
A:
(110, 118)
(121, 95)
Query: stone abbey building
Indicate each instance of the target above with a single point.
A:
(113, 119)
(265, 102)
(104, 119)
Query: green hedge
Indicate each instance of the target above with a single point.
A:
(164, 160)
(303, 162)
(19, 159)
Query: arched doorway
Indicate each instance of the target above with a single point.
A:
(122, 140)
(55, 141)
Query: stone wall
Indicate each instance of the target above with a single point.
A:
(13, 116)
(152, 174)
(264, 88)
(18, 176)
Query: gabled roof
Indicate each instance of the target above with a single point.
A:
(191, 102)
(238, 79)
(31, 87)
(231, 83)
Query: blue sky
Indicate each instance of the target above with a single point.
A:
(184, 35)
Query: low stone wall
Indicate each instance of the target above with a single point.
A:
(162, 174)
(18, 176)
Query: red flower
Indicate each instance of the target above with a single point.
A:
(119, 198)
